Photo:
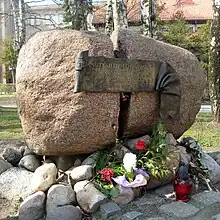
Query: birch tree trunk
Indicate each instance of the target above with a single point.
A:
(109, 18)
(148, 18)
(116, 15)
(214, 74)
(18, 11)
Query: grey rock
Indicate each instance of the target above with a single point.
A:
(4, 165)
(59, 195)
(125, 196)
(165, 190)
(119, 151)
(184, 156)
(27, 151)
(109, 209)
(63, 162)
(83, 172)
(67, 212)
(178, 210)
(12, 155)
(29, 162)
(156, 218)
(90, 160)
(217, 158)
(149, 200)
(213, 167)
(32, 207)
(132, 215)
(171, 139)
(131, 143)
(88, 197)
(206, 199)
(15, 182)
(44, 176)
(216, 217)
(214, 154)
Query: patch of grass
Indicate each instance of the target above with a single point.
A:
(205, 131)
(10, 125)
(7, 95)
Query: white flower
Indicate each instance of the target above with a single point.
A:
(129, 161)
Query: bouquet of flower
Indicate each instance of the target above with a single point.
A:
(136, 168)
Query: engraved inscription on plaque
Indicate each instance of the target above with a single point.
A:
(100, 74)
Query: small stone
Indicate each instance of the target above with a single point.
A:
(88, 197)
(4, 165)
(12, 155)
(125, 196)
(32, 207)
(63, 162)
(29, 162)
(67, 212)
(59, 195)
(119, 151)
(213, 167)
(14, 183)
(156, 218)
(77, 162)
(217, 158)
(90, 160)
(184, 156)
(216, 217)
(83, 172)
(172, 140)
(131, 143)
(109, 209)
(44, 176)
(27, 151)
(178, 210)
(149, 200)
(132, 215)
(205, 199)
(165, 190)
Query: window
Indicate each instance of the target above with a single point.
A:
(60, 18)
(38, 20)
(49, 19)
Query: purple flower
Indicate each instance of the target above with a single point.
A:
(141, 171)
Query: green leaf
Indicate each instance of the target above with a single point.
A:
(114, 192)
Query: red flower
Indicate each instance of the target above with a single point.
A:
(107, 174)
(140, 145)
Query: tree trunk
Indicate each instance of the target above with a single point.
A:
(18, 11)
(214, 73)
(148, 18)
(116, 15)
(109, 18)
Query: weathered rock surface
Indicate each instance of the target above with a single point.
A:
(59, 203)
(44, 176)
(67, 212)
(15, 182)
(14, 185)
(88, 197)
(144, 110)
(213, 167)
(60, 122)
(12, 155)
(33, 207)
(60, 195)
(29, 162)
(4, 165)
(56, 121)
(83, 172)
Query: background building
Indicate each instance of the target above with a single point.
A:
(47, 16)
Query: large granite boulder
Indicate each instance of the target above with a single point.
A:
(144, 111)
(56, 121)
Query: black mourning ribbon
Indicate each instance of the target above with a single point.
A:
(169, 87)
